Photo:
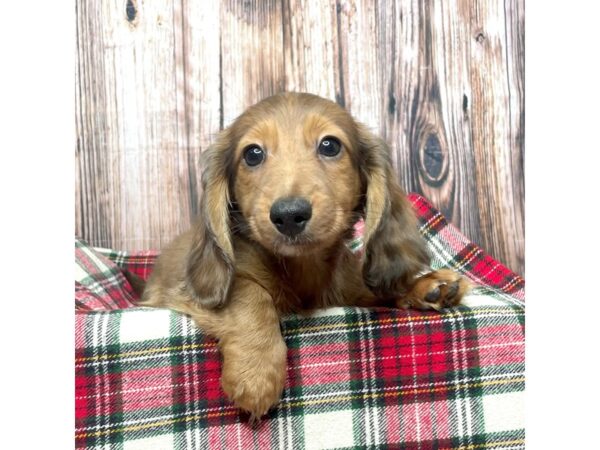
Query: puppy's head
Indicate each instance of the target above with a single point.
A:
(293, 173)
(296, 173)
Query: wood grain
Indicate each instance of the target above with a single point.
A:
(442, 82)
(311, 62)
(251, 52)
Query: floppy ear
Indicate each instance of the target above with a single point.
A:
(395, 250)
(209, 266)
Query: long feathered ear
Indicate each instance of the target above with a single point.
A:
(209, 269)
(395, 250)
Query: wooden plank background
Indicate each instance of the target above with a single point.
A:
(441, 81)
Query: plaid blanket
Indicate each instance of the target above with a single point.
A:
(357, 378)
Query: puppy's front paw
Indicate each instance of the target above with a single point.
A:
(440, 289)
(254, 382)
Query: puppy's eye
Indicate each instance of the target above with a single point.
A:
(330, 147)
(254, 155)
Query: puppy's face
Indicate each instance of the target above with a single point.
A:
(296, 180)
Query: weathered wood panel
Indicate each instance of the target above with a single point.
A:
(251, 52)
(441, 81)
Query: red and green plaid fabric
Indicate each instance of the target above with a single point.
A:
(357, 378)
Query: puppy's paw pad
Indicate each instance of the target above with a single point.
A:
(433, 295)
(451, 293)
(437, 290)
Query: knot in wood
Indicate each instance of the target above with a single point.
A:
(131, 10)
(433, 160)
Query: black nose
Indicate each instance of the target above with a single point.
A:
(290, 215)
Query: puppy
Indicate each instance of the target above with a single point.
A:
(282, 188)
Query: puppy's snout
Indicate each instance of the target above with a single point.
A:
(290, 215)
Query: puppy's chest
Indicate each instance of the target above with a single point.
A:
(309, 285)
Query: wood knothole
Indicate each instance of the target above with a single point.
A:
(131, 11)
(433, 160)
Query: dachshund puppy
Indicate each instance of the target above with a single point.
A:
(283, 187)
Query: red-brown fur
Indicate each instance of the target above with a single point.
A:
(235, 274)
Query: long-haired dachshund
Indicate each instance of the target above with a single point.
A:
(282, 188)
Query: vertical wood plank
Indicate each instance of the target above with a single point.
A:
(445, 157)
(312, 59)
(497, 127)
(361, 69)
(251, 45)
(198, 87)
(515, 65)
(399, 40)
(95, 114)
(153, 170)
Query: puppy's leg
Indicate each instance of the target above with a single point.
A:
(439, 289)
(254, 353)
